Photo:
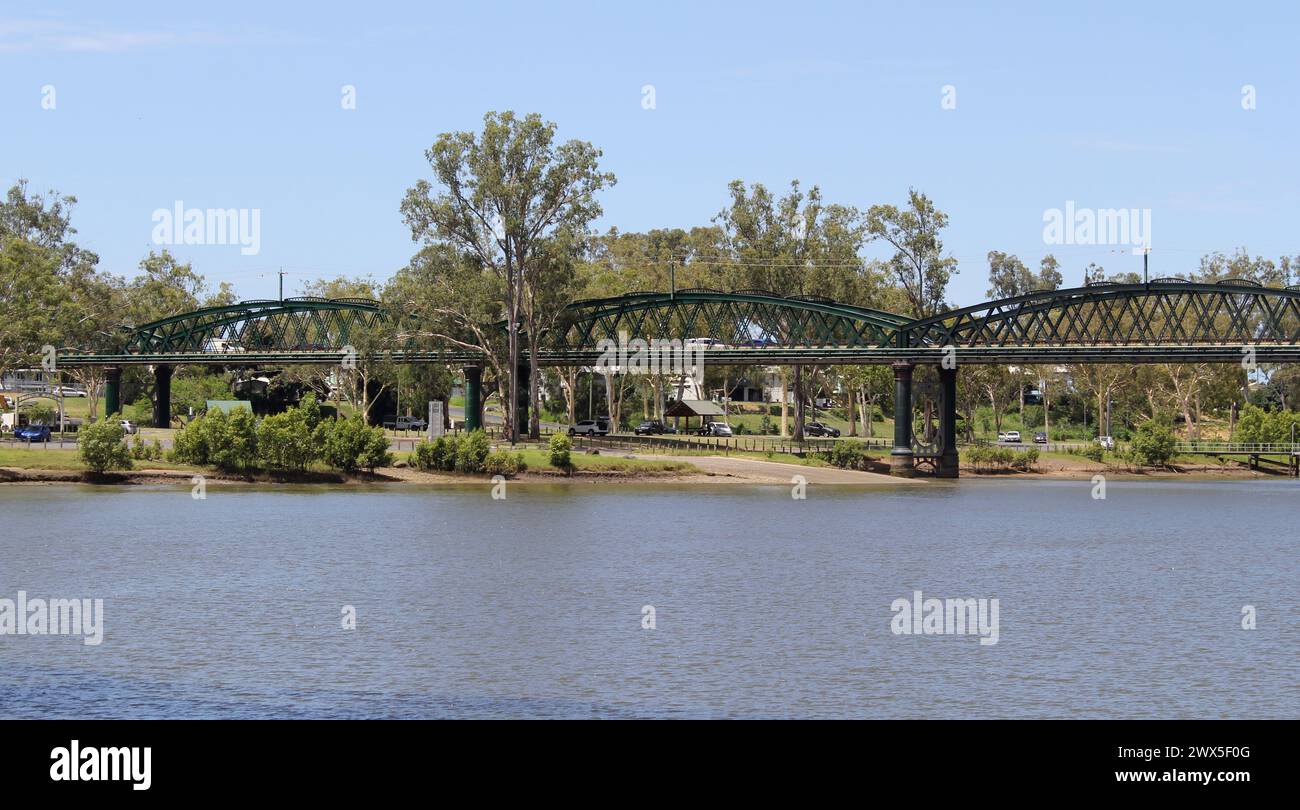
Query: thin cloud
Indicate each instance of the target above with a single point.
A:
(47, 35)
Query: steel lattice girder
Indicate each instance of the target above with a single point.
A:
(1161, 314)
(731, 319)
(1103, 323)
(292, 325)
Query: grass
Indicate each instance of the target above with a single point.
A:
(60, 459)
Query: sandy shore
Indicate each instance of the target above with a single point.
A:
(708, 469)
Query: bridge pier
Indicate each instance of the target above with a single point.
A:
(473, 397)
(949, 463)
(901, 462)
(112, 391)
(162, 396)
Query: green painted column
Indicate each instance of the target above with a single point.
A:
(948, 460)
(473, 398)
(162, 397)
(112, 391)
(901, 461)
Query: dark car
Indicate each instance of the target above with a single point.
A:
(821, 429)
(1040, 438)
(651, 426)
(33, 433)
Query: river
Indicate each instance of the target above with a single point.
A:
(535, 605)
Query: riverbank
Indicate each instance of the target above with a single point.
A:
(48, 467)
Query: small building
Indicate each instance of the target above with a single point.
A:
(703, 408)
(227, 405)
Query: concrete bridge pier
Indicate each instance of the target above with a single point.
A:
(949, 463)
(112, 391)
(473, 397)
(901, 462)
(162, 396)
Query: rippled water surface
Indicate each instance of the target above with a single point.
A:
(764, 606)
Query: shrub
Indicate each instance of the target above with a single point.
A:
(846, 455)
(504, 463)
(350, 444)
(232, 439)
(560, 449)
(471, 451)
(1153, 444)
(1093, 452)
(101, 447)
(287, 441)
(985, 456)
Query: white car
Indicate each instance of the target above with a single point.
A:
(129, 427)
(1106, 442)
(1013, 436)
(590, 427)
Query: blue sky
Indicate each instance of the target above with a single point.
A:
(226, 105)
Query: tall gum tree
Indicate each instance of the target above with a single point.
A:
(502, 194)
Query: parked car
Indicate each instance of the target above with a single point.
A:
(1013, 436)
(821, 429)
(405, 423)
(1002, 435)
(1040, 438)
(652, 427)
(69, 391)
(129, 427)
(33, 433)
(1106, 442)
(824, 403)
(714, 429)
(590, 427)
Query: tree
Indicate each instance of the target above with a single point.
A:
(918, 263)
(794, 245)
(101, 447)
(504, 193)
(1153, 444)
(1008, 276)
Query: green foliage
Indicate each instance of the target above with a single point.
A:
(1093, 452)
(991, 457)
(101, 447)
(504, 463)
(287, 441)
(1258, 426)
(145, 452)
(1153, 444)
(350, 444)
(560, 449)
(471, 451)
(847, 455)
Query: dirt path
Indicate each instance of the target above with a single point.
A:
(749, 469)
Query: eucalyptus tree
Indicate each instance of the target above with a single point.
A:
(501, 195)
(918, 263)
(793, 245)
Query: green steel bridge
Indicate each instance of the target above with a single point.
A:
(1165, 320)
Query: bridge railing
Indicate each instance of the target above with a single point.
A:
(1239, 448)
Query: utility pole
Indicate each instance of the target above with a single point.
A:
(1146, 252)
(281, 274)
